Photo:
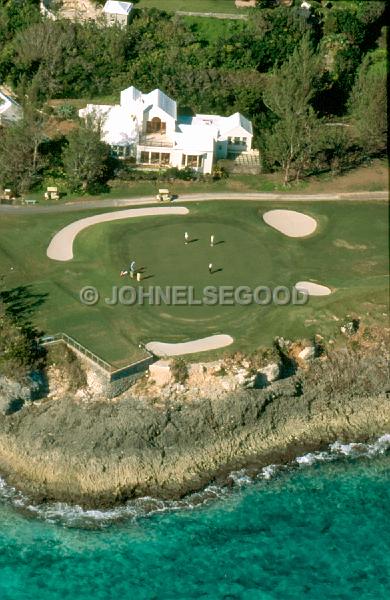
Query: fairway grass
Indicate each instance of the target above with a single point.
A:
(347, 253)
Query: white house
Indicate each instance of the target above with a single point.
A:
(118, 12)
(147, 127)
(10, 110)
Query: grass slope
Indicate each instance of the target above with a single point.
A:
(348, 253)
(216, 6)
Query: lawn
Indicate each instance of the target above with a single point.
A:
(131, 189)
(348, 253)
(210, 30)
(217, 6)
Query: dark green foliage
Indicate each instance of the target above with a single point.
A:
(87, 161)
(20, 352)
(293, 141)
(21, 161)
(223, 73)
(66, 111)
(276, 33)
(368, 102)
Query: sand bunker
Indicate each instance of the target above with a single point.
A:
(313, 289)
(290, 222)
(61, 246)
(212, 342)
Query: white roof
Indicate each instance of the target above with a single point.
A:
(158, 98)
(9, 108)
(195, 138)
(117, 8)
(236, 120)
(119, 129)
(223, 124)
(6, 101)
(131, 94)
(193, 135)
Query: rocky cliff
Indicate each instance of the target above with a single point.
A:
(98, 452)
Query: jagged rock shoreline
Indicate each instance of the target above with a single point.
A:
(100, 453)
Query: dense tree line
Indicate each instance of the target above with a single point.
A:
(20, 350)
(245, 69)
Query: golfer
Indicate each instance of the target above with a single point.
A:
(212, 240)
(186, 237)
(132, 266)
(210, 267)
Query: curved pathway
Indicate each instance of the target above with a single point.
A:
(213, 342)
(61, 245)
(211, 196)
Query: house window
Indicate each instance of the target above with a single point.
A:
(156, 126)
(192, 160)
(145, 157)
(244, 141)
(237, 140)
(155, 158)
(230, 140)
(165, 158)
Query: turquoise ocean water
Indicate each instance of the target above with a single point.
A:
(318, 530)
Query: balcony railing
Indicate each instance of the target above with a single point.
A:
(146, 140)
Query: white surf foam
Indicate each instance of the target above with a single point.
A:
(76, 516)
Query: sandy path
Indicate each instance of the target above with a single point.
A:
(290, 222)
(313, 289)
(61, 246)
(80, 204)
(212, 342)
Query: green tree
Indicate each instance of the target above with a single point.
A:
(20, 352)
(276, 33)
(21, 162)
(368, 103)
(291, 142)
(87, 160)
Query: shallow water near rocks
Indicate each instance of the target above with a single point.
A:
(317, 529)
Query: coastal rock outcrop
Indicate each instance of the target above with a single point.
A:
(172, 442)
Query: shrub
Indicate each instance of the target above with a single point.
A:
(66, 111)
(179, 370)
(62, 356)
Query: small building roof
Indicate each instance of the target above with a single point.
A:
(9, 108)
(117, 8)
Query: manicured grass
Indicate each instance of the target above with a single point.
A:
(235, 183)
(222, 6)
(251, 254)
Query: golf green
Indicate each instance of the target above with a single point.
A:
(344, 254)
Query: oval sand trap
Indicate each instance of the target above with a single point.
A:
(290, 222)
(313, 289)
(61, 246)
(213, 342)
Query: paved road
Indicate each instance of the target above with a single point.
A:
(142, 200)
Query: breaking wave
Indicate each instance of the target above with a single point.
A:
(69, 515)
